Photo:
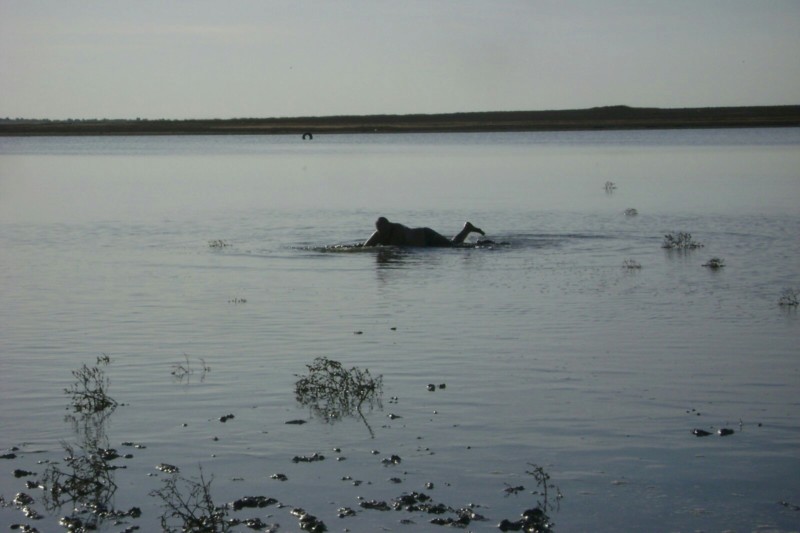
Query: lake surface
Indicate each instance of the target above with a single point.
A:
(237, 259)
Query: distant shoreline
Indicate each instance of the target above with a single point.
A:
(597, 118)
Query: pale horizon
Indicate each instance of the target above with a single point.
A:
(207, 60)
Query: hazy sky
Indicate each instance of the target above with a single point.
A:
(258, 58)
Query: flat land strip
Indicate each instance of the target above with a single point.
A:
(597, 118)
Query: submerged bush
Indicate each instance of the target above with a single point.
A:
(630, 264)
(789, 297)
(188, 506)
(680, 241)
(90, 390)
(714, 263)
(332, 392)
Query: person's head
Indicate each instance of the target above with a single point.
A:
(382, 224)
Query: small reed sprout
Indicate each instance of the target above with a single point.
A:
(181, 371)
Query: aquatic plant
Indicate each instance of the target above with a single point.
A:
(630, 264)
(181, 371)
(789, 297)
(680, 241)
(545, 488)
(90, 390)
(237, 300)
(218, 243)
(610, 186)
(332, 392)
(188, 506)
(714, 263)
(536, 519)
(631, 212)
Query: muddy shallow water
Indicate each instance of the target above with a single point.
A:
(212, 271)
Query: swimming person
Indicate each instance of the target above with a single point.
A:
(394, 234)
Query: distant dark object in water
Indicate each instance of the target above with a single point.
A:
(296, 422)
(314, 457)
(307, 135)
(724, 432)
(700, 433)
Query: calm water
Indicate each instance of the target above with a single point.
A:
(552, 353)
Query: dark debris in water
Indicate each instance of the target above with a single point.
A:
(419, 502)
(253, 502)
(309, 522)
(314, 457)
(168, 468)
(791, 506)
(513, 490)
(533, 520)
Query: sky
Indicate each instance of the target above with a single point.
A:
(180, 59)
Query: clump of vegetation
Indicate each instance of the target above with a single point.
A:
(181, 371)
(631, 212)
(610, 186)
(680, 241)
(217, 243)
(90, 390)
(237, 300)
(714, 263)
(188, 506)
(789, 297)
(333, 392)
(631, 264)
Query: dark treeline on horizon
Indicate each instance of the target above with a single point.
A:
(597, 118)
